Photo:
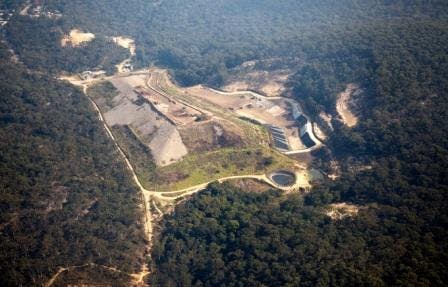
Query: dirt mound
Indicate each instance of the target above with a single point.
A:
(211, 135)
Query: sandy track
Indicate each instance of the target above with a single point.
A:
(342, 105)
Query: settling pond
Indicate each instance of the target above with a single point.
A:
(283, 178)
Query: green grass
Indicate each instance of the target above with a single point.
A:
(201, 168)
(197, 168)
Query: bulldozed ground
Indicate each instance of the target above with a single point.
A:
(262, 76)
(190, 140)
(76, 38)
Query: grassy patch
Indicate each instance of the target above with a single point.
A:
(200, 168)
(197, 168)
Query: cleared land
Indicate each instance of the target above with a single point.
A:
(129, 108)
(76, 38)
(189, 142)
(273, 111)
(343, 103)
(127, 43)
(338, 211)
(261, 76)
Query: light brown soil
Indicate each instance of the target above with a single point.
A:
(177, 112)
(267, 81)
(327, 119)
(211, 135)
(126, 43)
(343, 105)
(338, 211)
(75, 38)
(276, 111)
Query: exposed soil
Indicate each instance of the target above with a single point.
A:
(260, 76)
(129, 44)
(126, 43)
(344, 103)
(76, 37)
(327, 119)
(273, 111)
(211, 135)
(149, 125)
(338, 211)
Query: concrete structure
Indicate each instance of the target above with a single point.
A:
(279, 138)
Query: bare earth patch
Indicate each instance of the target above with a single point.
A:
(76, 37)
(275, 111)
(265, 79)
(211, 135)
(149, 126)
(126, 43)
(269, 83)
(343, 103)
(129, 44)
(338, 211)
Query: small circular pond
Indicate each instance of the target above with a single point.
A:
(283, 178)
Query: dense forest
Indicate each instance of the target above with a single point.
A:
(397, 51)
(227, 237)
(200, 41)
(66, 197)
